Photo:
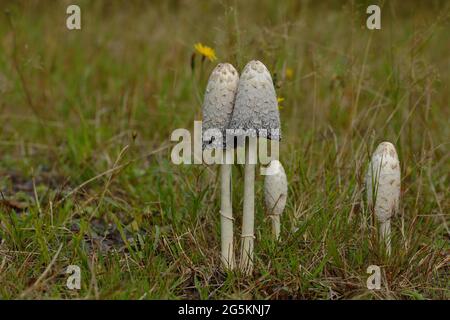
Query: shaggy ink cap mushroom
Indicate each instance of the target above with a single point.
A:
(275, 194)
(384, 171)
(255, 112)
(275, 189)
(218, 103)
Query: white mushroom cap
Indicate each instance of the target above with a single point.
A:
(275, 189)
(383, 181)
(219, 101)
(256, 106)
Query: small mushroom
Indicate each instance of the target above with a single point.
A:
(217, 110)
(255, 114)
(383, 188)
(275, 195)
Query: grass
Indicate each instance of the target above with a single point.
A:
(85, 171)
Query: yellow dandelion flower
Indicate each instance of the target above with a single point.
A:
(205, 51)
(279, 100)
(289, 73)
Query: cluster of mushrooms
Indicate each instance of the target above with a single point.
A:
(248, 104)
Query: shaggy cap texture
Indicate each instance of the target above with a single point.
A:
(218, 103)
(383, 181)
(256, 112)
(275, 189)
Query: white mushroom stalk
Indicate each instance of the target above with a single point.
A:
(255, 114)
(217, 110)
(383, 188)
(275, 195)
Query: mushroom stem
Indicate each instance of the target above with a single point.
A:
(249, 212)
(385, 234)
(276, 225)
(226, 215)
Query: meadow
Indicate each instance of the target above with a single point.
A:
(86, 177)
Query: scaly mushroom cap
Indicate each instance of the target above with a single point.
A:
(275, 189)
(383, 181)
(256, 106)
(219, 101)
